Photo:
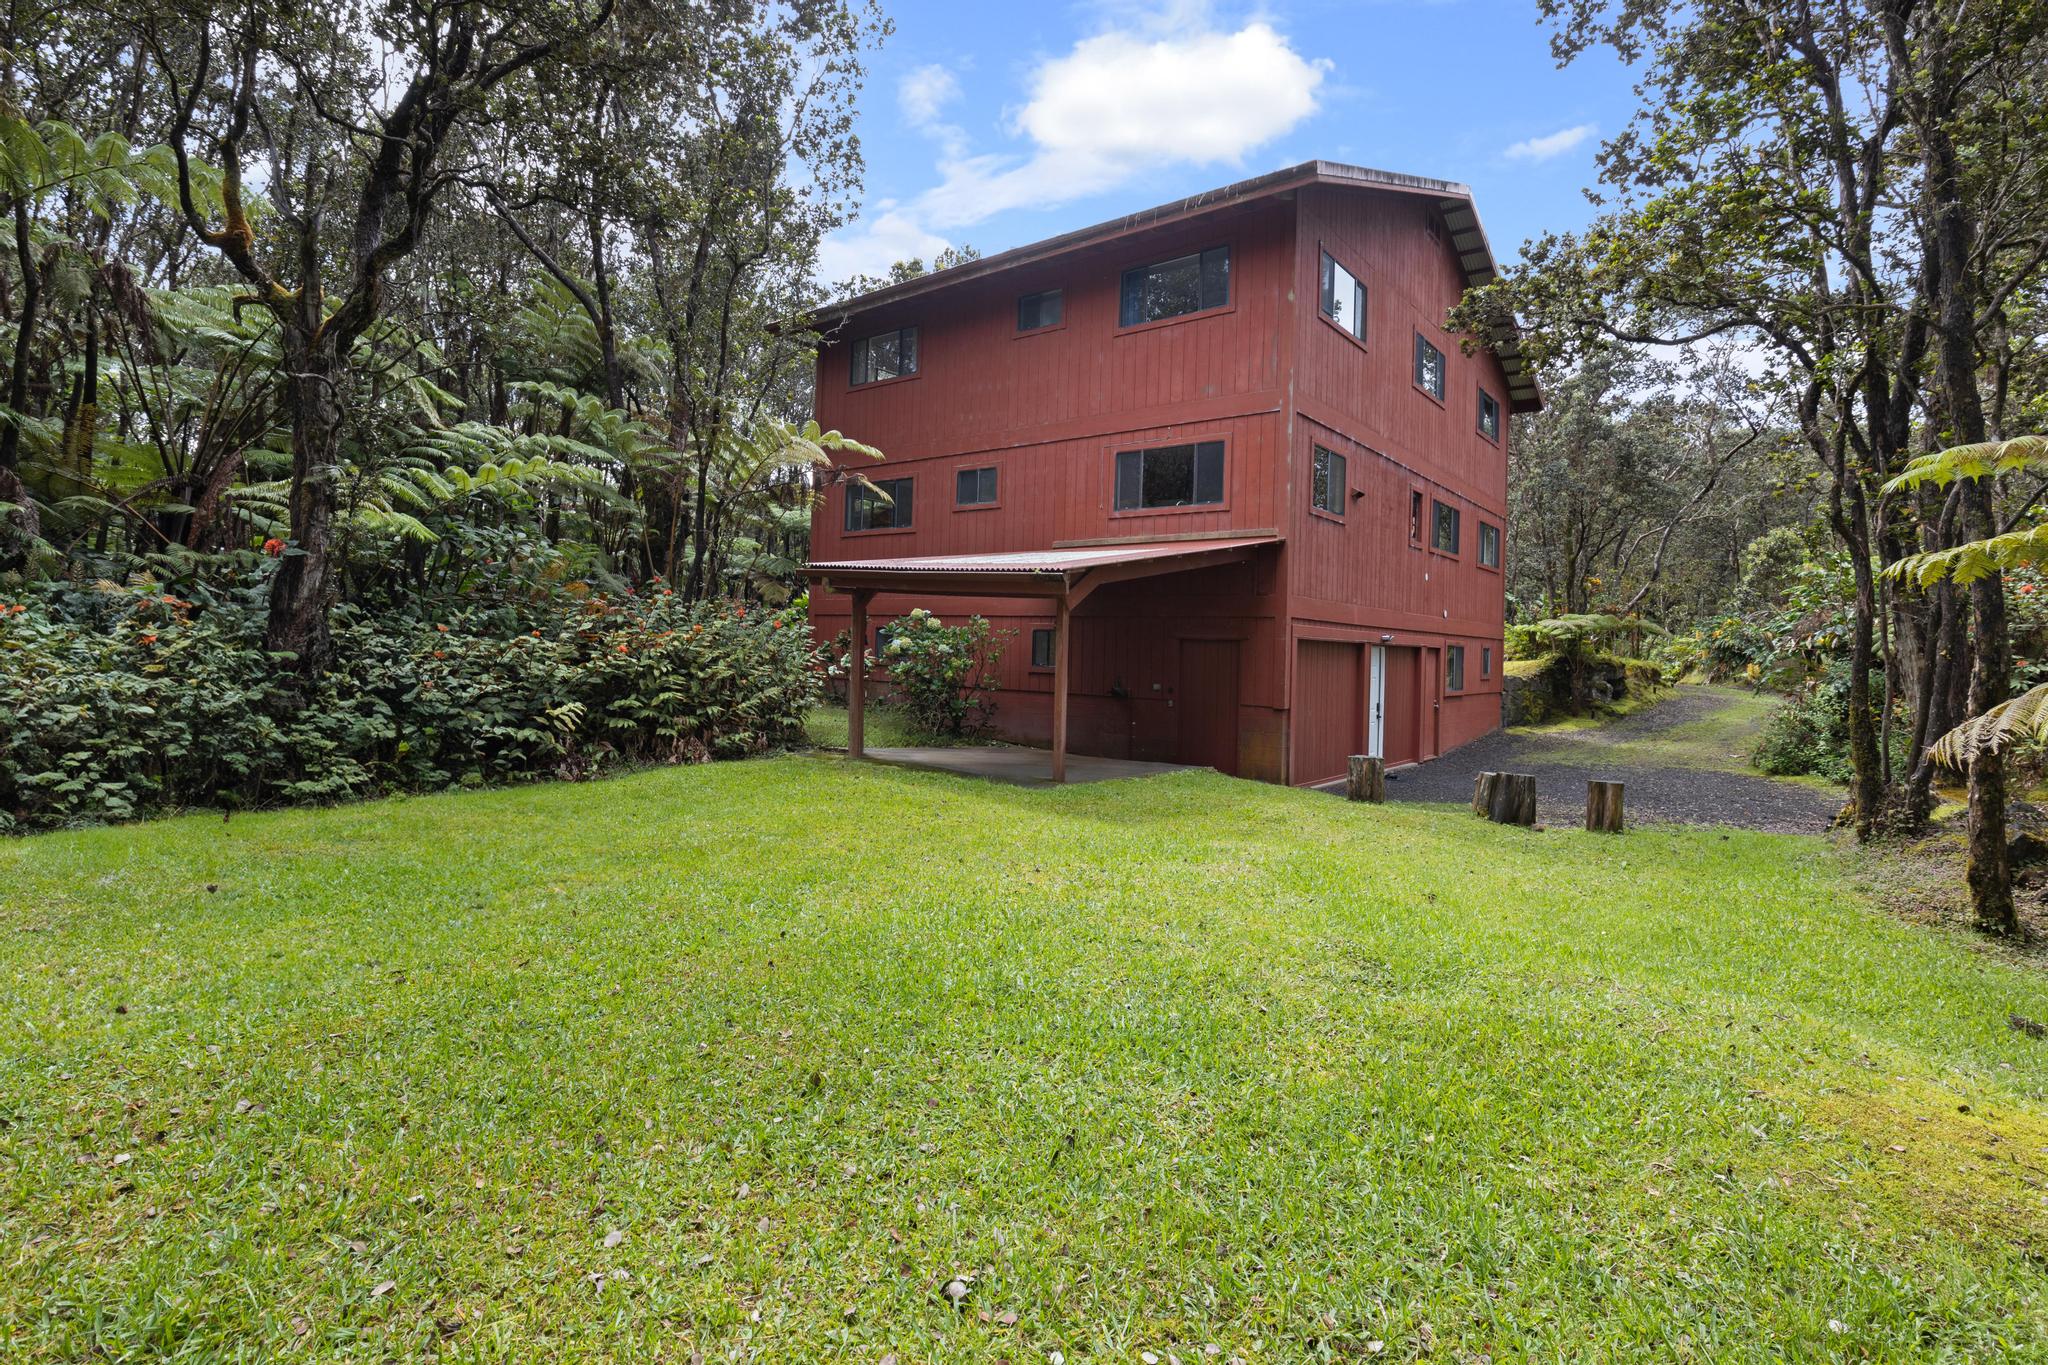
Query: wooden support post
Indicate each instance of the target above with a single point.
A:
(1368, 779)
(857, 678)
(1061, 655)
(1505, 798)
(1603, 807)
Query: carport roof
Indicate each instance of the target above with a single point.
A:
(1057, 572)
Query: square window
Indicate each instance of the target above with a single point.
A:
(886, 506)
(1489, 545)
(1343, 297)
(1170, 476)
(1443, 531)
(1326, 487)
(886, 355)
(1429, 368)
(1042, 642)
(1454, 669)
(1489, 416)
(1043, 309)
(974, 487)
(1170, 289)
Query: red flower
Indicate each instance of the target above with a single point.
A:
(149, 639)
(622, 647)
(273, 547)
(443, 629)
(536, 635)
(775, 625)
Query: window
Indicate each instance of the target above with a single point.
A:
(865, 511)
(1489, 545)
(1486, 661)
(1489, 416)
(1443, 528)
(1042, 647)
(1429, 368)
(1043, 309)
(882, 636)
(1415, 517)
(1185, 284)
(974, 487)
(1343, 300)
(1454, 669)
(1326, 489)
(1169, 476)
(889, 355)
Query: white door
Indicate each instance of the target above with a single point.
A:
(1376, 705)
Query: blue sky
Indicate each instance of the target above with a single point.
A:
(1000, 124)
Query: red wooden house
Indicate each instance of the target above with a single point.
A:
(1218, 464)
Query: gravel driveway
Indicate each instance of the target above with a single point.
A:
(1683, 761)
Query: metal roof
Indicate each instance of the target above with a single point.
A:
(1056, 561)
(1453, 200)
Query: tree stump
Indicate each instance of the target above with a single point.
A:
(1367, 780)
(1505, 798)
(1603, 807)
(1482, 792)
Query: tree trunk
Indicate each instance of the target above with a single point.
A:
(1604, 807)
(299, 593)
(27, 525)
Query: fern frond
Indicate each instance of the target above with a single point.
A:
(2025, 716)
(1976, 461)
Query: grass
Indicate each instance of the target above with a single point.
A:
(1721, 740)
(885, 727)
(749, 1060)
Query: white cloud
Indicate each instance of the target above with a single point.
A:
(1553, 144)
(1164, 90)
(883, 236)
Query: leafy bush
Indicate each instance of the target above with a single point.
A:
(944, 675)
(1809, 734)
(123, 701)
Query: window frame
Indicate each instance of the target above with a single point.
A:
(1117, 452)
(1316, 451)
(1454, 668)
(1017, 318)
(1229, 303)
(1437, 507)
(1418, 517)
(1485, 662)
(992, 467)
(1487, 400)
(1052, 638)
(1479, 556)
(1443, 370)
(1324, 288)
(856, 490)
(855, 352)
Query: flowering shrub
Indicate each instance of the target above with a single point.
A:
(124, 701)
(944, 675)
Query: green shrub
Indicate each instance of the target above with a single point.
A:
(1809, 734)
(945, 675)
(123, 701)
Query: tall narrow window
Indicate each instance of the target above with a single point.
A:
(1169, 476)
(1489, 545)
(1486, 661)
(1454, 669)
(1185, 284)
(974, 487)
(1415, 517)
(890, 509)
(1429, 368)
(1042, 641)
(1489, 416)
(1343, 300)
(1043, 309)
(1443, 534)
(1326, 487)
(886, 355)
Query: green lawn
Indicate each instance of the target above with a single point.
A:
(751, 1059)
(886, 727)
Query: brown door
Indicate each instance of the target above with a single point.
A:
(1208, 704)
(1328, 718)
(1401, 726)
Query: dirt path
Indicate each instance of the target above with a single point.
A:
(1685, 760)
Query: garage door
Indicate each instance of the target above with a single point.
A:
(1328, 719)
